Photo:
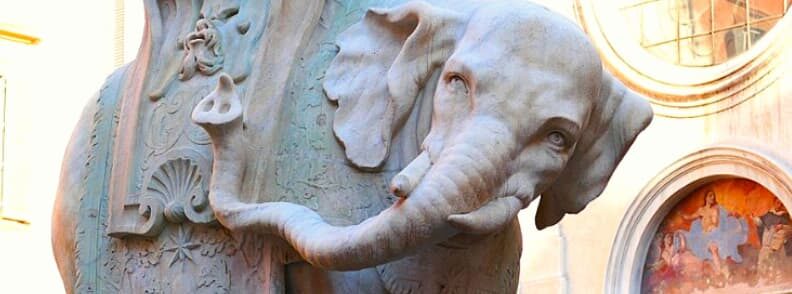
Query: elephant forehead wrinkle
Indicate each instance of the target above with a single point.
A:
(485, 67)
(565, 87)
(529, 36)
(549, 93)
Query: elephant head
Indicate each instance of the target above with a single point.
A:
(522, 107)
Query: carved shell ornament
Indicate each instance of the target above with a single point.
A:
(178, 190)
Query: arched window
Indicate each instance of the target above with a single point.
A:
(728, 235)
(716, 203)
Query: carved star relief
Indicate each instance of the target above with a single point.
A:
(182, 246)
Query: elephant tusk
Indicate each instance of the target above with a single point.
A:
(406, 180)
(488, 219)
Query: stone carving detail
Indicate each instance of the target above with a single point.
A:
(447, 128)
(487, 154)
(204, 46)
(206, 37)
(154, 265)
(181, 247)
(202, 51)
(179, 189)
(190, 42)
(175, 192)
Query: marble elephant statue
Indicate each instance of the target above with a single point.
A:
(243, 152)
(521, 108)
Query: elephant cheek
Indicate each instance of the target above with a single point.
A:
(442, 132)
(521, 185)
(433, 144)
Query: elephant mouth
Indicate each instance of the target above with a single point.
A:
(494, 215)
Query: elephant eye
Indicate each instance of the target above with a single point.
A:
(557, 139)
(457, 83)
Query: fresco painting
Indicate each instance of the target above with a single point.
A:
(729, 236)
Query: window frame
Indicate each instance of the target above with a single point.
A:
(626, 263)
(683, 91)
(6, 215)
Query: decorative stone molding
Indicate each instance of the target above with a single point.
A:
(684, 91)
(644, 215)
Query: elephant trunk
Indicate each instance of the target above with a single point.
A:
(460, 181)
(421, 219)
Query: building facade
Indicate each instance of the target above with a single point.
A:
(699, 201)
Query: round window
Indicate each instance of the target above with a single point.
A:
(699, 32)
(690, 57)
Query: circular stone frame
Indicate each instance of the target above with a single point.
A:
(683, 91)
(644, 215)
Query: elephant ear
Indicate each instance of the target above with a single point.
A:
(620, 117)
(383, 63)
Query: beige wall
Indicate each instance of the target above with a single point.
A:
(579, 263)
(591, 233)
(48, 85)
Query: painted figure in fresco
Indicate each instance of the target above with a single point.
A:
(777, 215)
(709, 216)
(675, 261)
(667, 253)
(663, 268)
(713, 226)
(688, 264)
(718, 265)
(775, 230)
(708, 213)
(734, 241)
(773, 239)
